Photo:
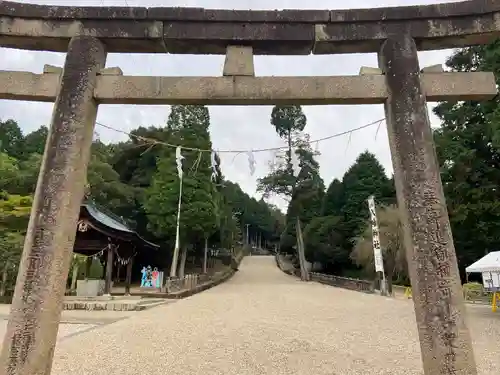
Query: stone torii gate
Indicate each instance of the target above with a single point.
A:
(87, 34)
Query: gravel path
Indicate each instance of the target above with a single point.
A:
(265, 322)
(66, 331)
(78, 316)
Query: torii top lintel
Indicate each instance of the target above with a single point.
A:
(283, 32)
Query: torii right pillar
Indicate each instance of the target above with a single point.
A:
(445, 340)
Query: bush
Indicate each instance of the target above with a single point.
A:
(96, 270)
(474, 291)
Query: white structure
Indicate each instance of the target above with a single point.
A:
(377, 249)
(489, 267)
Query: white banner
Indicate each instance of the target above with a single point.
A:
(377, 250)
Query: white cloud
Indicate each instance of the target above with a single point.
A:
(232, 127)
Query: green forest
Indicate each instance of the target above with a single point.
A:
(138, 181)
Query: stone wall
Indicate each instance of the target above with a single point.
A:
(216, 279)
(340, 282)
(343, 282)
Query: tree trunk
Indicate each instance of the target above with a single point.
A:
(205, 256)
(74, 277)
(289, 161)
(388, 278)
(304, 274)
(3, 287)
(377, 281)
(182, 264)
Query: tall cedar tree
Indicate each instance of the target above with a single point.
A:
(324, 236)
(11, 138)
(324, 243)
(289, 121)
(307, 196)
(263, 220)
(199, 209)
(334, 199)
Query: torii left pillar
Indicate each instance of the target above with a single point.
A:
(28, 346)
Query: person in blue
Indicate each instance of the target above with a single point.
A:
(149, 277)
(144, 277)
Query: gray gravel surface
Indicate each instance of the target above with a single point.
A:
(265, 322)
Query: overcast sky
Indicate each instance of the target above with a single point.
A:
(235, 127)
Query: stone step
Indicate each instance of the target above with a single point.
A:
(113, 305)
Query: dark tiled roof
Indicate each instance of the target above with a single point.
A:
(113, 222)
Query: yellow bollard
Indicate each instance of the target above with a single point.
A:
(494, 300)
(408, 293)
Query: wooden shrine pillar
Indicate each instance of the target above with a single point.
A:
(128, 278)
(109, 269)
(445, 341)
(104, 267)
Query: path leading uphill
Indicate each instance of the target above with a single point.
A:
(265, 322)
